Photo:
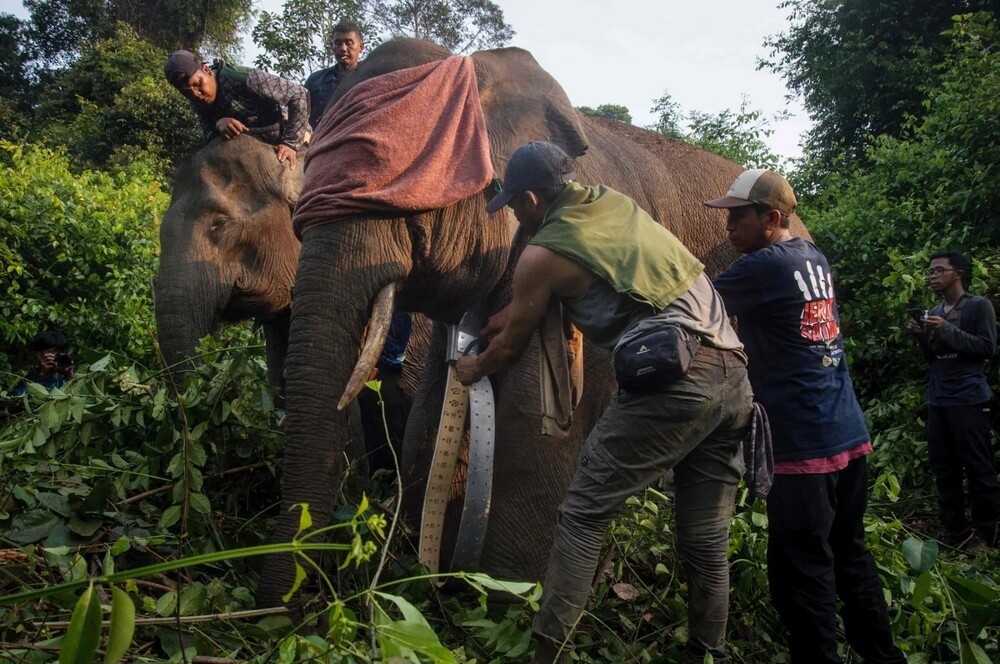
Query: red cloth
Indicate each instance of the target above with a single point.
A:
(830, 464)
(413, 139)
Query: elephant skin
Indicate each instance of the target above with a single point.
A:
(227, 250)
(446, 261)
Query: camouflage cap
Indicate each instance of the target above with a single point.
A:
(761, 186)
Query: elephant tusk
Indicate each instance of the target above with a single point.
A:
(375, 336)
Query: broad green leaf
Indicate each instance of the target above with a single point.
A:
(171, 515)
(55, 502)
(84, 631)
(414, 637)
(300, 575)
(522, 588)
(101, 364)
(122, 625)
(84, 527)
(920, 555)
(305, 519)
(200, 503)
(979, 602)
(969, 652)
(176, 466)
(192, 599)
(921, 588)
(167, 603)
(32, 526)
(198, 456)
(410, 612)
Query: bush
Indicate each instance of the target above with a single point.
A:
(78, 253)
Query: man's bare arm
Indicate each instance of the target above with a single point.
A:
(540, 274)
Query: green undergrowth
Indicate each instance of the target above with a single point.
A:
(149, 507)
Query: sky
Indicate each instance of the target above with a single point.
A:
(629, 52)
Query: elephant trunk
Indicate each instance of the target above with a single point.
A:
(184, 314)
(335, 293)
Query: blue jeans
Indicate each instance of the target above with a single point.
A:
(696, 427)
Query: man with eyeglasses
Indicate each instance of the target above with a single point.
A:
(957, 337)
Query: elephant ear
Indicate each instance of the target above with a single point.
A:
(523, 103)
(291, 180)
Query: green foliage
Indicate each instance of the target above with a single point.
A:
(739, 136)
(61, 29)
(930, 189)
(14, 84)
(78, 253)
(296, 40)
(112, 107)
(736, 135)
(609, 111)
(861, 68)
(669, 116)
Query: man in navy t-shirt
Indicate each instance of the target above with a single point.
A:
(782, 294)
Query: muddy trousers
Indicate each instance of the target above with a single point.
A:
(695, 427)
(815, 554)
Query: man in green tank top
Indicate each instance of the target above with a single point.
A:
(615, 270)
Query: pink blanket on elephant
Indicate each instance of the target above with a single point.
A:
(412, 139)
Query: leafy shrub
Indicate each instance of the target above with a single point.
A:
(78, 253)
(113, 106)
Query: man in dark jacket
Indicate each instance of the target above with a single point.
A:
(230, 100)
(957, 337)
(347, 45)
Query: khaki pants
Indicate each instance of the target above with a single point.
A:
(695, 427)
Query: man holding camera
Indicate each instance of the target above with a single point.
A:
(55, 366)
(957, 337)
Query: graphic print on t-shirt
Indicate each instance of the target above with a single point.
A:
(818, 322)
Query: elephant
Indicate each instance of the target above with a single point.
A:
(228, 254)
(227, 250)
(444, 262)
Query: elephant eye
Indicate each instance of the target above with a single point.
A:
(217, 222)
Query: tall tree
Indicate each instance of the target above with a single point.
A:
(296, 40)
(112, 106)
(862, 67)
(59, 29)
(15, 88)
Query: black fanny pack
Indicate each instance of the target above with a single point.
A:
(653, 354)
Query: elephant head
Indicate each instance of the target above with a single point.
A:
(443, 262)
(227, 250)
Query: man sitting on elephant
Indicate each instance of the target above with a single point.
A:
(644, 281)
(230, 100)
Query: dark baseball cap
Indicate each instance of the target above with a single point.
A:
(180, 66)
(758, 185)
(537, 165)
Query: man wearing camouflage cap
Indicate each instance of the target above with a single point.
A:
(782, 294)
(230, 100)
